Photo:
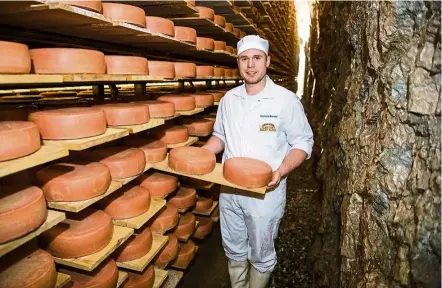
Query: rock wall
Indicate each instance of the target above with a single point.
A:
(373, 98)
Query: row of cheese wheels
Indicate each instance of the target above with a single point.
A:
(17, 58)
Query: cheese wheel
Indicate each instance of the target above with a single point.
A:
(137, 280)
(215, 214)
(166, 219)
(198, 127)
(247, 172)
(154, 150)
(172, 135)
(235, 73)
(186, 225)
(205, 12)
(67, 61)
(135, 247)
(237, 32)
(192, 160)
(160, 25)
(93, 5)
(159, 109)
(235, 51)
(197, 183)
(183, 69)
(204, 43)
(227, 72)
(158, 184)
(219, 71)
(203, 100)
(82, 234)
(161, 68)
(220, 20)
(14, 58)
(21, 211)
(217, 96)
(104, 276)
(15, 114)
(184, 198)
(69, 123)
(205, 226)
(203, 204)
(204, 71)
(229, 27)
(181, 102)
(74, 181)
(116, 64)
(30, 269)
(169, 252)
(123, 162)
(229, 49)
(125, 13)
(186, 34)
(220, 45)
(242, 34)
(18, 139)
(125, 113)
(185, 255)
(131, 201)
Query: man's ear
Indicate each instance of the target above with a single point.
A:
(268, 61)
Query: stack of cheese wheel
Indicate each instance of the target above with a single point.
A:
(185, 227)
(203, 204)
(198, 127)
(160, 25)
(203, 100)
(18, 139)
(219, 71)
(82, 234)
(136, 247)
(93, 5)
(181, 102)
(205, 71)
(117, 64)
(104, 276)
(185, 69)
(205, 12)
(204, 43)
(220, 45)
(161, 68)
(74, 181)
(229, 27)
(247, 172)
(185, 255)
(184, 198)
(22, 210)
(219, 20)
(144, 280)
(14, 58)
(171, 134)
(129, 202)
(204, 227)
(169, 252)
(125, 13)
(69, 123)
(186, 34)
(159, 109)
(166, 219)
(192, 160)
(154, 150)
(125, 113)
(158, 184)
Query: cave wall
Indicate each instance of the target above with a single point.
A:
(373, 98)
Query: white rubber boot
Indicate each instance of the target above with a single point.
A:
(239, 274)
(258, 279)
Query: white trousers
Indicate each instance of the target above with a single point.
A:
(249, 226)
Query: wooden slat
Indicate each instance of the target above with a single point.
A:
(173, 278)
(142, 127)
(122, 276)
(207, 212)
(192, 112)
(137, 222)
(189, 142)
(169, 118)
(62, 279)
(160, 277)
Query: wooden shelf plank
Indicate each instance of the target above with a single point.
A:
(191, 112)
(18, 79)
(62, 279)
(122, 276)
(189, 142)
(173, 278)
(184, 267)
(139, 265)
(169, 118)
(137, 222)
(170, 10)
(53, 218)
(84, 143)
(90, 262)
(142, 127)
(124, 181)
(160, 277)
(208, 212)
(80, 205)
(216, 176)
(44, 155)
(216, 103)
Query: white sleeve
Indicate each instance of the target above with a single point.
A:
(218, 128)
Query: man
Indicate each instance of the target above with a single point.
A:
(264, 121)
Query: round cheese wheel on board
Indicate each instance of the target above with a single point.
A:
(76, 181)
(219, 71)
(169, 252)
(160, 25)
(205, 71)
(158, 184)
(137, 280)
(203, 100)
(123, 162)
(183, 69)
(69, 123)
(130, 201)
(186, 225)
(125, 113)
(235, 73)
(185, 254)
(135, 247)
(21, 211)
(237, 32)
(165, 220)
(116, 64)
(220, 20)
(67, 61)
(93, 5)
(181, 102)
(220, 45)
(229, 49)
(247, 172)
(204, 228)
(30, 269)
(84, 233)
(104, 276)
(161, 68)
(154, 150)
(125, 13)
(229, 27)
(185, 197)
(171, 135)
(15, 114)
(203, 204)
(18, 139)
(159, 109)
(242, 34)
(192, 160)
(227, 72)
(15, 58)
(198, 127)
(205, 12)
(186, 34)
(217, 96)
(204, 43)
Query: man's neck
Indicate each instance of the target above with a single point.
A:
(253, 89)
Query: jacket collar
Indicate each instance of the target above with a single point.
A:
(241, 90)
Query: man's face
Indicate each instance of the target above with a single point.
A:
(253, 65)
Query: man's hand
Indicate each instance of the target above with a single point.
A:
(276, 178)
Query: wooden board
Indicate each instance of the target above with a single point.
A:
(62, 279)
(189, 142)
(170, 10)
(53, 218)
(216, 176)
(173, 278)
(139, 265)
(160, 277)
(169, 118)
(142, 127)
(208, 212)
(122, 276)
(80, 205)
(137, 222)
(184, 267)
(191, 112)
(90, 262)
(84, 143)
(18, 79)
(124, 181)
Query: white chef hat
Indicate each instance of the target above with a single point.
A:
(253, 42)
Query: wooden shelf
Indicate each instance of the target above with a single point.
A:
(208, 212)
(44, 155)
(53, 218)
(80, 205)
(184, 267)
(124, 181)
(90, 262)
(62, 279)
(140, 264)
(160, 277)
(169, 118)
(216, 103)
(137, 222)
(191, 112)
(219, 6)
(189, 142)
(175, 8)
(174, 277)
(122, 276)
(216, 176)
(84, 143)
(142, 127)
